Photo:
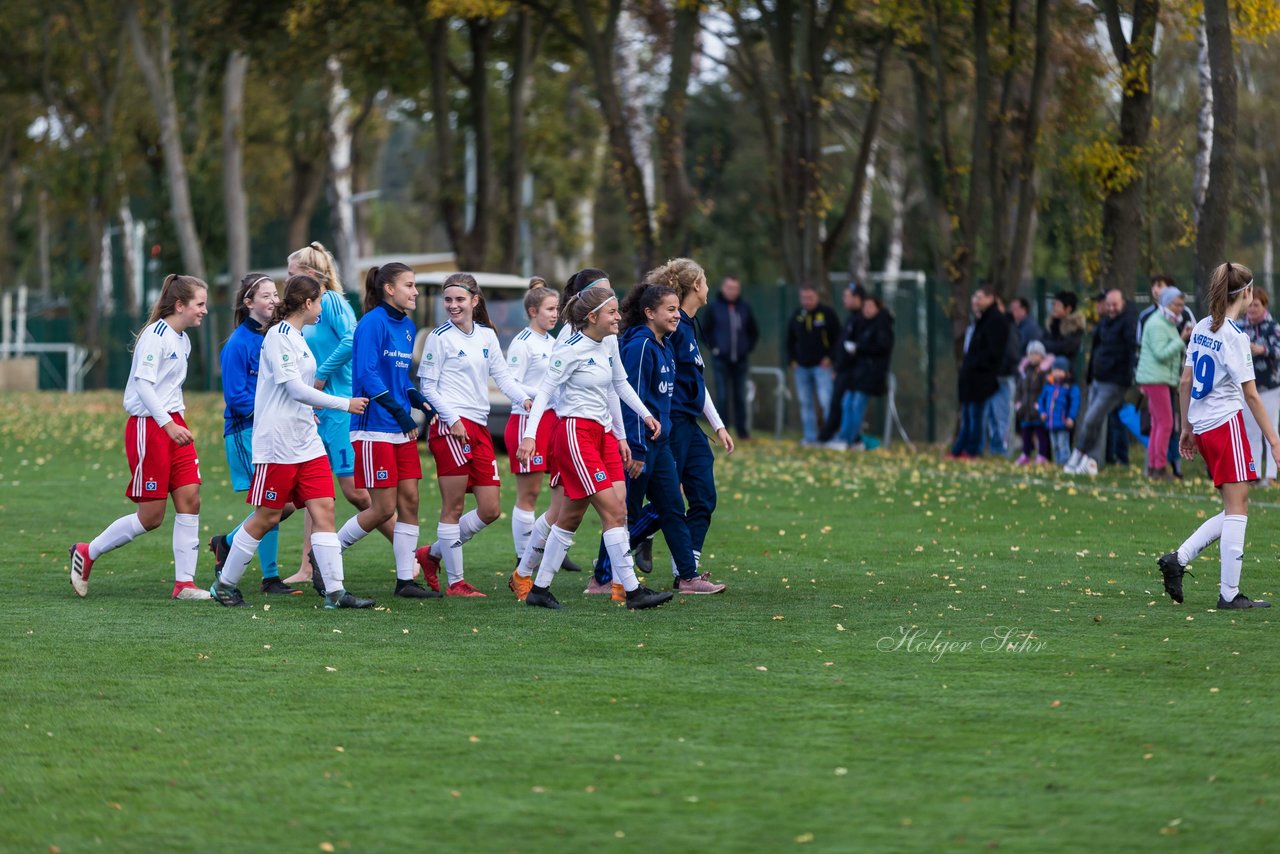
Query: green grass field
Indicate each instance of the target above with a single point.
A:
(783, 714)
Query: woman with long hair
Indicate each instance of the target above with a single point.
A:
(1217, 383)
(289, 460)
(160, 450)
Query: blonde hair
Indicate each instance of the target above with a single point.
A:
(679, 274)
(317, 262)
(1225, 285)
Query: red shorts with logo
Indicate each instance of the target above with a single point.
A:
(1226, 452)
(157, 464)
(541, 442)
(472, 457)
(384, 464)
(587, 456)
(276, 484)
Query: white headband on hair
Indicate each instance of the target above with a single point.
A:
(260, 281)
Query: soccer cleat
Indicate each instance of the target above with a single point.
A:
(541, 597)
(595, 588)
(81, 565)
(617, 593)
(699, 584)
(1173, 572)
(188, 591)
(273, 586)
(643, 597)
(643, 556)
(220, 548)
(569, 566)
(343, 599)
(520, 585)
(1240, 603)
(408, 589)
(430, 567)
(462, 588)
(228, 597)
(317, 578)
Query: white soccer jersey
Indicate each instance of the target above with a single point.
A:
(159, 357)
(584, 371)
(284, 430)
(528, 357)
(455, 373)
(1220, 363)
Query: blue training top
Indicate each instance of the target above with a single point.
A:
(651, 370)
(691, 389)
(330, 343)
(381, 350)
(239, 359)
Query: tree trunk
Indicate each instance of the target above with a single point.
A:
(1211, 235)
(233, 194)
(42, 244)
(475, 245)
(896, 189)
(860, 251)
(157, 73)
(339, 139)
(131, 251)
(677, 202)
(526, 48)
(1204, 121)
(1264, 178)
(1122, 210)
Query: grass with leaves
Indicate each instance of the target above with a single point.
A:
(911, 655)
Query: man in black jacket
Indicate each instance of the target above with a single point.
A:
(811, 335)
(729, 329)
(1110, 373)
(853, 298)
(977, 381)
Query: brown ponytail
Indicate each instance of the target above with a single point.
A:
(468, 283)
(376, 280)
(533, 298)
(297, 291)
(584, 303)
(176, 289)
(1225, 285)
(248, 290)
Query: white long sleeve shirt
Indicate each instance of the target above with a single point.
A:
(284, 424)
(455, 373)
(583, 372)
(159, 369)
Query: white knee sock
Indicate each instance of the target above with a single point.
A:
(404, 542)
(1232, 547)
(532, 557)
(617, 542)
(449, 547)
(521, 529)
(243, 548)
(328, 551)
(1205, 536)
(186, 545)
(118, 533)
(468, 526)
(559, 541)
(351, 533)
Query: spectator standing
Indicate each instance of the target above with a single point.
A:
(1059, 405)
(997, 414)
(1159, 282)
(1159, 370)
(1033, 373)
(979, 370)
(1264, 343)
(1065, 331)
(1110, 373)
(731, 332)
(853, 298)
(811, 335)
(869, 377)
(1028, 329)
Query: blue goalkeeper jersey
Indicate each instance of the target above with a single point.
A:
(330, 342)
(381, 350)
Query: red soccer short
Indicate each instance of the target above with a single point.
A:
(1226, 452)
(276, 484)
(158, 464)
(380, 465)
(587, 456)
(472, 457)
(541, 442)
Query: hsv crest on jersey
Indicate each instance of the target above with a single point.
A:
(381, 475)
(466, 449)
(485, 351)
(600, 476)
(537, 459)
(270, 495)
(150, 486)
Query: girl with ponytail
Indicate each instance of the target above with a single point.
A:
(1217, 382)
(290, 466)
(158, 446)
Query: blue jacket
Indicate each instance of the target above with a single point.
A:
(239, 360)
(651, 370)
(1057, 403)
(381, 350)
(330, 343)
(691, 389)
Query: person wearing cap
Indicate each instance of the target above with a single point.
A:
(1066, 326)
(1109, 374)
(1033, 372)
(1264, 343)
(811, 339)
(1159, 282)
(853, 297)
(730, 330)
(1159, 369)
(1059, 404)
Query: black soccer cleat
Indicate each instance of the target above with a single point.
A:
(410, 589)
(275, 587)
(643, 597)
(1173, 572)
(228, 597)
(542, 597)
(220, 548)
(347, 600)
(569, 566)
(1240, 603)
(643, 556)
(317, 580)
